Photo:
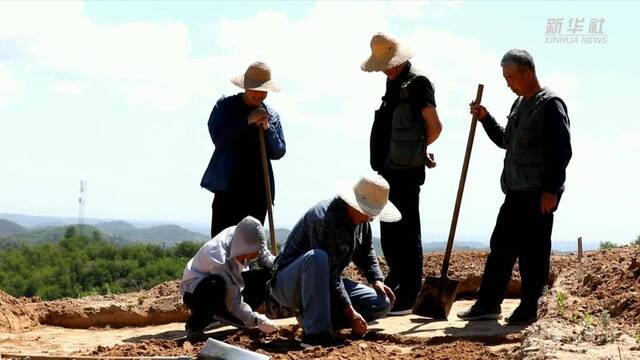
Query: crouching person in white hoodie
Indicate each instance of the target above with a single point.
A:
(213, 286)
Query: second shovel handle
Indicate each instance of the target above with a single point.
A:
(463, 178)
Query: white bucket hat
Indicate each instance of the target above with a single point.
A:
(370, 196)
(257, 77)
(386, 52)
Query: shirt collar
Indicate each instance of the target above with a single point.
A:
(341, 214)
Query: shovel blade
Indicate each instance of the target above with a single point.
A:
(436, 297)
(218, 350)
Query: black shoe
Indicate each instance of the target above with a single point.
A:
(195, 335)
(324, 339)
(521, 316)
(479, 312)
(400, 308)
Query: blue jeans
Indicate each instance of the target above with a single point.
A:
(305, 284)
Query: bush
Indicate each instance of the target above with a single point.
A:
(607, 245)
(636, 242)
(80, 265)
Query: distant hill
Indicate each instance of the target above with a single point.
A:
(457, 245)
(115, 227)
(428, 247)
(10, 228)
(169, 234)
(31, 221)
(48, 235)
(115, 231)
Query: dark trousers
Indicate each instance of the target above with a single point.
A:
(522, 232)
(230, 207)
(208, 297)
(402, 242)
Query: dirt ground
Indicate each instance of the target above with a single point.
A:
(160, 305)
(285, 345)
(19, 313)
(591, 311)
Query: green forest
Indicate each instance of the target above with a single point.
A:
(78, 266)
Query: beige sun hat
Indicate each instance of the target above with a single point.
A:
(386, 52)
(370, 196)
(257, 77)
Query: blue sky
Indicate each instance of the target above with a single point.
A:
(119, 93)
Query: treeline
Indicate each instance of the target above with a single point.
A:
(79, 265)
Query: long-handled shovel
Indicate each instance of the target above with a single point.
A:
(439, 293)
(267, 191)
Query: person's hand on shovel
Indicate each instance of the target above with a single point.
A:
(259, 117)
(478, 110)
(358, 325)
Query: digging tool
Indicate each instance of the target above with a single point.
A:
(439, 293)
(214, 350)
(267, 190)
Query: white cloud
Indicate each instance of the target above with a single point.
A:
(453, 4)
(148, 62)
(11, 89)
(68, 87)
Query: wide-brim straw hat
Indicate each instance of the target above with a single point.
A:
(370, 196)
(257, 77)
(386, 52)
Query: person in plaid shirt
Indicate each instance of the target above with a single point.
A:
(307, 274)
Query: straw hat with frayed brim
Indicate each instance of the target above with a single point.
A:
(370, 196)
(386, 52)
(257, 77)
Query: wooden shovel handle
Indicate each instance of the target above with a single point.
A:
(267, 190)
(463, 178)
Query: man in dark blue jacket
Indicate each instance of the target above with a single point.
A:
(234, 173)
(538, 149)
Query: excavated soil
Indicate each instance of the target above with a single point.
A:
(606, 280)
(591, 311)
(284, 345)
(159, 305)
(17, 314)
(466, 266)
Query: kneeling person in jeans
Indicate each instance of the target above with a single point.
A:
(307, 275)
(213, 282)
